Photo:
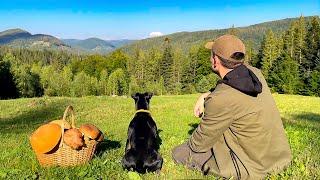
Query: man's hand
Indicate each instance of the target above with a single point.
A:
(199, 107)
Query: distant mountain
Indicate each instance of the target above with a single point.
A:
(21, 38)
(185, 40)
(96, 45)
(18, 38)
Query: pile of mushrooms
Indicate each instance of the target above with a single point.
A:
(48, 136)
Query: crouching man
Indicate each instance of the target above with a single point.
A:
(241, 133)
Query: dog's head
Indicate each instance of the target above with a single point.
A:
(142, 100)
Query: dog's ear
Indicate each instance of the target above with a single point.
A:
(135, 96)
(148, 95)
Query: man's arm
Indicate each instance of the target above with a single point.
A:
(216, 120)
(198, 108)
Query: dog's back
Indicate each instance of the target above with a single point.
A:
(141, 149)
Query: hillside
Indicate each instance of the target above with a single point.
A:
(185, 40)
(95, 45)
(18, 38)
(173, 115)
(21, 38)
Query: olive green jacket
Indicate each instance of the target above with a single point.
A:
(244, 133)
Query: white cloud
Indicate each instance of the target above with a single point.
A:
(155, 34)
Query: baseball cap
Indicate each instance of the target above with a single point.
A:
(226, 45)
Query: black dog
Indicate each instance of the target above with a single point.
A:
(142, 146)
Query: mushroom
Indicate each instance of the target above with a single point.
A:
(90, 132)
(73, 138)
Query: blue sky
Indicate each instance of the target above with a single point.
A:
(137, 19)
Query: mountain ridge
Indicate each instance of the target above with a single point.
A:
(185, 40)
(253, 33)
(19, 38)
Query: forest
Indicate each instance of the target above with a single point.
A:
(289, 60)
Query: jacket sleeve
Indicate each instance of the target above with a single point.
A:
(216, 120)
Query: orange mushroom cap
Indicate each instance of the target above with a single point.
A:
(90, 131)
(45, 138)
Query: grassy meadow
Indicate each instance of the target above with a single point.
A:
(173, 115)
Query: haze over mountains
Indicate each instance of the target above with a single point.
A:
(18, 38)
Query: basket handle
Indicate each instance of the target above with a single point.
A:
(70, 110)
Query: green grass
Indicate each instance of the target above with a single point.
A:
(173, 115)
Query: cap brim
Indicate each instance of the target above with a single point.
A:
(209, 45)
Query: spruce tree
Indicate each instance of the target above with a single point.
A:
(189, 71)
(204, 63)
(284, 76)
(250, 53)
(269, 52)
(166, 66)
(289, 40)
(299, 40)
(312, 50)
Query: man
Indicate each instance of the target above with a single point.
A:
(241, 133)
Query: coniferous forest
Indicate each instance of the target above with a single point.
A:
(289, 60)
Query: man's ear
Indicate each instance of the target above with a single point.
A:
(216, 61)
(148, 95)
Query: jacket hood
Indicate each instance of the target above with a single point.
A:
(244, 80)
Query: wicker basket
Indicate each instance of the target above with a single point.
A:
(63, 155)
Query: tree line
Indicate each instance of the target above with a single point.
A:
(289, 61)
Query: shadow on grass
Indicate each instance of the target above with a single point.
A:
(193, 127)
(38, 112)
(308, 116)
(106, 145)
(304, 121)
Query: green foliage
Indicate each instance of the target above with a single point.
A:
(84, 85)
(312, 50)
(233, 31)
(8, 87)
(269, 52)
(133, 86)
(103, 82)
(203, 63)
(203, 85)
(313, 83)
(285, 75)
(56, 82)
(213, 79)
(28, 83)
(117, 84)
(166, 67)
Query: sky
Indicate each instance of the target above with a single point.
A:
(124, 19)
